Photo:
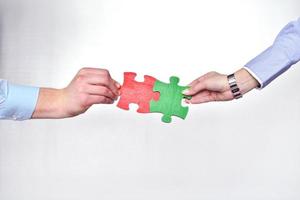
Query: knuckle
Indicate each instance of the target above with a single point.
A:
(107, 100)
(106, 79)
(83, 70)
(198, 81)
(212, 73)
(105, 72)
(192, 89)
(106, 91)
(80, 78)
(204, 83)
(101, 99)
(214, 96)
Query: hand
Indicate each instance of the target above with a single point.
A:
(214, 86)
(90, 86)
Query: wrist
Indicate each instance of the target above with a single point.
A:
(245, 81)
(234, 88)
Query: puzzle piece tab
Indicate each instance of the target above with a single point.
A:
(169, 103)
(140, 93)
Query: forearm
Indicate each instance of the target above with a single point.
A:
(50, 104)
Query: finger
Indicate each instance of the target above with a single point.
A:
(104, 80)
(96, 79)
(115, 87)
(118, 85)
(96, 99)
(201, 78)
(202, 97)
(100, 90)
(194, 89)
(194, 82)
(199, 84)
(208, 96)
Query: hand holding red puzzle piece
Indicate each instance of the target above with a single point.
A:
(153, 96)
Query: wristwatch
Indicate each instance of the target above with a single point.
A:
(234, 87)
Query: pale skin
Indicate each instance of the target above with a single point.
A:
(96, 86)
(90, 86)
(214, 86)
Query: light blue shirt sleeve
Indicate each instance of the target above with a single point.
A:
(17, 102)
(278, 58)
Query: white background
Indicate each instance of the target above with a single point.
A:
(246, 149)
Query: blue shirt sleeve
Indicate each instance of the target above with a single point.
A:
(278, 58)
(17, 102)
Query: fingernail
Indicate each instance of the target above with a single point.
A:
(186, 91)
(118, 85)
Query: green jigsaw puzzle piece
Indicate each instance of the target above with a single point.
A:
(169, 103)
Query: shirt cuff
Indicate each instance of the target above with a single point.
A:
(268, 65)
(20, 102)
(260, 82)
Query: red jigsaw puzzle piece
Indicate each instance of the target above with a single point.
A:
(140, 93)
